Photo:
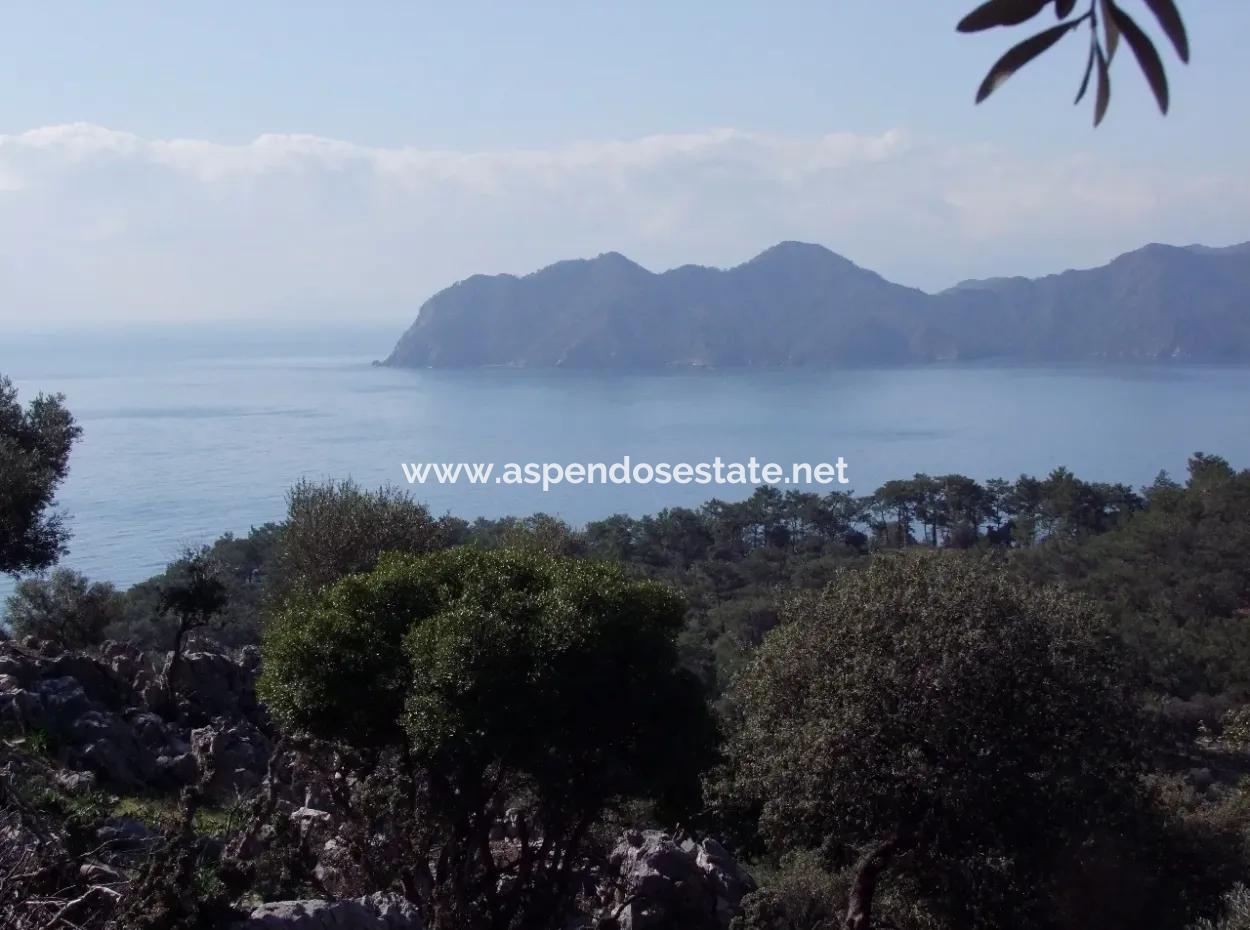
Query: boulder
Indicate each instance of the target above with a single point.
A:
(658, 883)
(126, 661)
(127, 834)
(95, 678)
(172, 771)
(156, 735)
(374, 912)
(22, 709)
(18, 666)
(107, 746)
(75, 782)
(215, 685)
(64, 700)
(233, 756)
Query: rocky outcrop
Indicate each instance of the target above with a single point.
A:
(108, 713)
(655, 882)
(373, 912)
(105, 720)
(231, 757)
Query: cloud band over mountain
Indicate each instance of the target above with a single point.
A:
(102, 225)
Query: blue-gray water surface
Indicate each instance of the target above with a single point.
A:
(186, 439)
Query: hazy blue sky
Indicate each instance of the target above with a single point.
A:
(188, 160)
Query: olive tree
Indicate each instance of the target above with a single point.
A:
(504, 678)
(192, 594)
(35, 443)
(927, 718)
(336, 528)
(64, 608)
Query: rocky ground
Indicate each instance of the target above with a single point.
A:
(120, 802)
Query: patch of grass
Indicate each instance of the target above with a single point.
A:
(165, 813)
(206, 884)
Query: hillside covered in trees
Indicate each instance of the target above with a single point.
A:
(800, 304)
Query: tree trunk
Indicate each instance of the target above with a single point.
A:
(870, 866)
(175, 663)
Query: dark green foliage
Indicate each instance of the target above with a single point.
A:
(954, 725)
(338, 528)
(35, 443)
(241, 565)
(507, 677)
(64, 609)
(1174, 577)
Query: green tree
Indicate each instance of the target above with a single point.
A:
(930, 718)
(35, 444)
(192, 595)
(899, 498)
(65, 609)
(507, 678)
(337, 528)
(1174, 577)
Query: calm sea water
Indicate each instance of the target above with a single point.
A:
(185, 439)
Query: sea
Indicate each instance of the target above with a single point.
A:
(189, 434)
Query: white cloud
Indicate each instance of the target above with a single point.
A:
(97, 224)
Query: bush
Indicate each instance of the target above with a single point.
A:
(929, 717)
(64, 608)
(337, 528)
(506, 678)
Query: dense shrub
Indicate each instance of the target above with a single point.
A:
(929, 717)
(64, 608)
(507, 678)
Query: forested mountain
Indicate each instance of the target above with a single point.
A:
(800, 304)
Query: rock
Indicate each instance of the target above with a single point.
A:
(64, 700)
(156, 735)
(127, 834)
(17, 666)
(76, 782)
(23, 709)
(306, 816)
(657, 883)
(176, 770)
(95, 678)
(105, 744)
(375, 912)
(214, 685)
(97, 873)
(127, 662)
(151, 694)
(336, 871)
(730, 879)
(233, 756)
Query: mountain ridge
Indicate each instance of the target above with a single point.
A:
(801, 304)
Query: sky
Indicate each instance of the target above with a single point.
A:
(329, 162)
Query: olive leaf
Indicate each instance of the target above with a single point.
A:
(1001, 13)
(1063, 8)
(1112, 41)
(1169, 18)
(1104, 86)
(1020, 55)
(1089, 71)
(1146, 55)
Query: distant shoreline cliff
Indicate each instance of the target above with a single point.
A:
(803, 305)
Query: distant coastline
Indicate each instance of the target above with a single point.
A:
(801, 305)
